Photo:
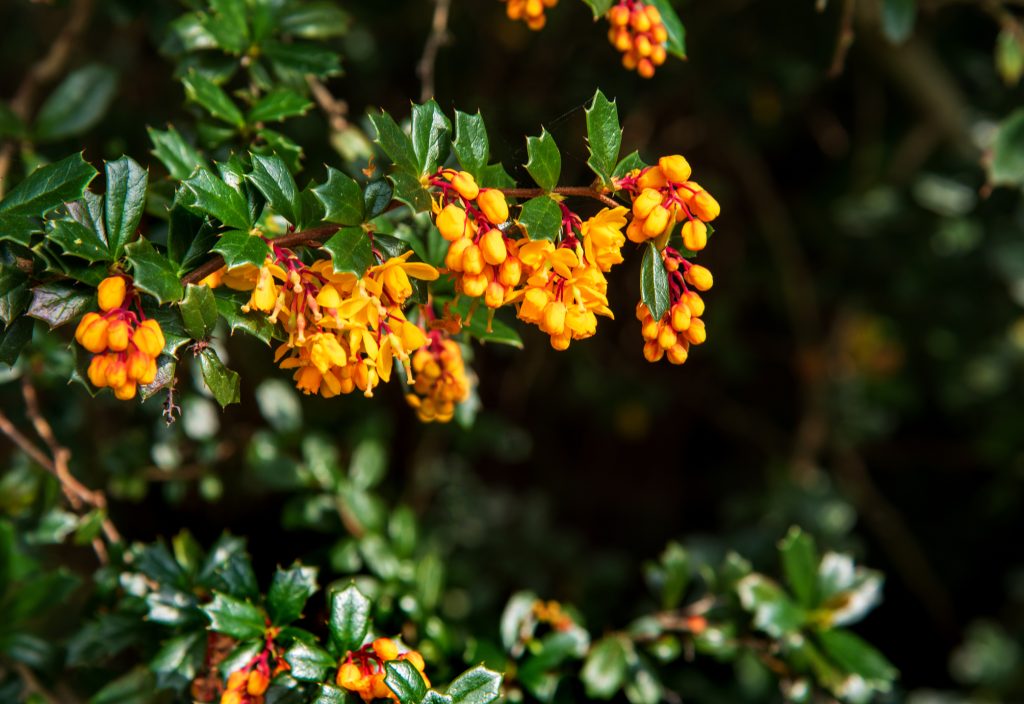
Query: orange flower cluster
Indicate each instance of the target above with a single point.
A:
(664, 195)
(529, 11)
(638, 32)
(680, 326)
(344, 332)
(125, 344)
(552, 613)
(441, 379)
(362, 671)
(248, 684)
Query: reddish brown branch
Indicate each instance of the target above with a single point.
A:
(577, 191)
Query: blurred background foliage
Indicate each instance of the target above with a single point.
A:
(863, 373)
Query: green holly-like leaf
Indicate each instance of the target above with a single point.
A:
(178, 156)
(800, 564)
(223, 383)
(77, 240)
(604, 137)
(277, 143)
(198, 311)
(308, 662)
(676, 43)
(599, 7)
(342, 198)
(77, 104)
(57, 304)
(227, 24)
(431, 131)
(153, 272)
(206, 193)
(350, 250)
(229, 305)
(604, 671)
(271, 176)
(181, 656)
(314, 20)
(410, 191)
(189, 238)
(234, 617)
(377, 197)
(476, 686)
(349, 620)
(200, 89)
(395, 142)
(302, 58)
(545, 161)
(405, 681)
(654, 288)
(628, 163)
(278, 105)
(14, 338)
(43, 190)
(471, 145)
(238, 247)
(541, 218)
(329, 694)
(289, 592)
(14, 294)
(124, 202)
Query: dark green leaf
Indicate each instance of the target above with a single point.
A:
(476, 686)
(302, 58)
(14, 297)
(222, 382)
(178, 156)
(898, 18)
(604, 137)
(350, 250)
(774, 612)
(472, 148)
(376, 198)
(405, 681)
(229, 305)
(77, 240)
(676, 43)
(541, 218)
(124, 202)
(289, 592)
(238, 247)
(545, 161)
(189, 238)
(1007, 165)
(431, 131)
(628, 163)
(604, 671)
(77, 104)
(136, 687)
(154, 273)
(800, 564)
(182, 655)
(10, 124)
(228, 24)
(329, 694)
(234, 617)
(675, 571)
(642, 683)
(395, 142)
(200, 89)
(277, 143)
(309, 663)
(314, 20)
(342, 198)
(211, 195)
(278, 105)
(275, 181)
(410, 191)
(349, 620)
(198, 311)
(856, 656)
(43, 190)
(654, 290)
(599, 7)
(228, 569)
(57, 304)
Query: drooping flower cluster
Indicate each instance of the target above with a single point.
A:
(529, 11)
(125, 344)
(362, 671)
(343, 332)
(664, 195)
(680, 326)
(638, 32)
(441, 380)
(249, 683)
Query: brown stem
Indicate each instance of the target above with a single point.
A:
(845, 39)
(438, 37)
(335, 110)
(33, 685)
(578, 191)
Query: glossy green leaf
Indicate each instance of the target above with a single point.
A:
(57, 304)
(350, 250)
(289, 591)
(222, 382)
(229, 305)
(238, 247)
(329, 694)
(395, 142)
(342, 198)
(800, 564)
(190, 238)
(43, 190)
(78, 240)
(308, 662)
(182, 655)
(541, 218)
(676, 43)
(405, 681)
(302, 57)
(77, 104)
(898, 19)
(200, 89)
(654, 286)
(14, 296)
(178, 156)
(284, 147)
(153, 272)
(856, 656)
(604, 137)
(208, 194)
(234, 617)
(605, 668)
(227, 24)
(13, 339)
(198, 311)
(475, 686)
(349, 619)
(124, 201)
(272, 177)
(431, 134)
(545, 161)
(472, 147)
(628, 163)
(774, 612)
(410, 191)
(278, 105)
(377, 197)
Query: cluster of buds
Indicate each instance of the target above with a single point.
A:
(664, 195)
(529, 11)
(344, 332)
(441, 379)
(680, 326)
(248, 684)
(638, 32)
(483, 259)
(362, 671)
(125, 344)
(552, 613)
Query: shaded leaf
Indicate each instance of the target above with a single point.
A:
(153, 272)
(654, 287)
(223, 383)
(77, 104)
(545, 161)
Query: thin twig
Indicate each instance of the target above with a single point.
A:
(335, 110)
(42, 72)
(578, 191)
(437, 38)
(844, 40)
(33, 685)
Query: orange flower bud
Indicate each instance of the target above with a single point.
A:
(622, 40)
(635, 231)
(93, 336)
(116, 371)
(348, 676)
(493, 248)
(680, 317)
(675, 168)
(258, 683)
(452, 223)
(494, 296)
(695, 235)
(473, 260)
(653, 351)
(98, 370)
(696, 334)
(618, 16)
(138, 364)
(118, 334)
(474, 285)
(416, 659)
(125, 392)
(667, 337)
(643, 46)
(649, 330)
(699, 277)
(648, 199)
(465, 184)
(640, 21)
(510, 272)
(645, 68)
(111, 292)
(560, 343)
(658, 53)
(385, 648)
(456, 252)
(694, 302)
(704, 206)
(149, 338)
(657, 222)
(231, 697)
(678, 353)
(652, 14)
(87, 320)
(641, 311)
(651, 178)
(215, 279)
(553, 320)
(492, 203)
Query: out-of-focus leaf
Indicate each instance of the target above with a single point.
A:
(77, 104)
(178, 156)
(200, 89)
(898, 18)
